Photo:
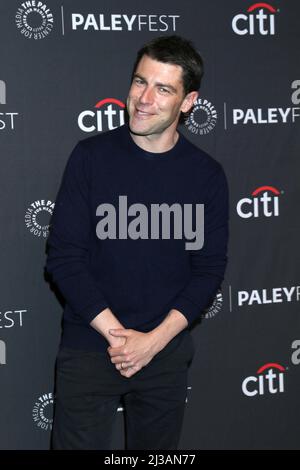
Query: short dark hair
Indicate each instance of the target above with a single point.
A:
(178, 51)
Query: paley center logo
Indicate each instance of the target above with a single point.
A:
(42, 412)
(120, 22)
(7, 119)
(259, 19)
(214, 308)
(202, 118)
(269, 379)
(37, 217)
(138, 227)
(34, 19)
(263, 203)
(268, 116)
(108, 115)
(268, 296)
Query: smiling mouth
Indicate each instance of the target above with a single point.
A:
(141, 113)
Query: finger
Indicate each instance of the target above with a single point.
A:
(127, 372)
(125, 360)
(118, 332)
(124, 365)
(130, 371)
(117, 359)
(113, 352)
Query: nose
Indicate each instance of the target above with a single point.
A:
(147, 96)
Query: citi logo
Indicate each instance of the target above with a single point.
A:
(264, 203)
(271, 381)
(260, 19)
(108, 115)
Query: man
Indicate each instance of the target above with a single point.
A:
(118, 252)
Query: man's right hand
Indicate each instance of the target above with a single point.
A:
(106, 321)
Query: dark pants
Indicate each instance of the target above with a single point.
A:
(89, 389)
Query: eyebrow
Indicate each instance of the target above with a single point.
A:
(165, 85)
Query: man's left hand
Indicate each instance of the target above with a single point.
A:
(135, 354)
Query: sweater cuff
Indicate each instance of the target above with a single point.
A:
(91, 311)
(189, 309)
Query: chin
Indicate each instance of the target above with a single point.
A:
(137, 130)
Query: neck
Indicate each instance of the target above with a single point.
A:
(156, 143)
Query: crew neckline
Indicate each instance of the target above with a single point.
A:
(139, 152)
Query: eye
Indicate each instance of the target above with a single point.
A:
(138, 81)
(164, 90)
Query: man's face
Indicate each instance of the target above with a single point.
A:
(156, 97)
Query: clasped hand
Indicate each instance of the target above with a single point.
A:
(137, 351)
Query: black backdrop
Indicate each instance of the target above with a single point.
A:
(58, 62)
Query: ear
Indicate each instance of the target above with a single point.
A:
(189, 101)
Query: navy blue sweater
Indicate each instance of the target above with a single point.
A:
(139, 278)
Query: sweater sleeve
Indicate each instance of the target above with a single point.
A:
(208, 264)
(69, 238)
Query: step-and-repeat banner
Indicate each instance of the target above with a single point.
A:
(65, 71)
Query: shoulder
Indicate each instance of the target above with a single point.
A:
(200, 160)
(101, 141)
(97, 148)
